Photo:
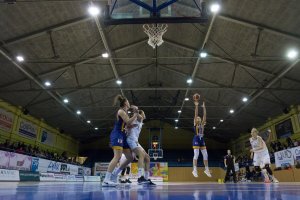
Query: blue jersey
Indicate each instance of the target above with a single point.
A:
(198, 140)
(118, 135)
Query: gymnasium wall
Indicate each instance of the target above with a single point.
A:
(59, 142)
(239, 146)
(171, 138)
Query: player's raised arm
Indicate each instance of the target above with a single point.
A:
(204, 114)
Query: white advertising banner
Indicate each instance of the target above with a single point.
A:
(284, 158)
(9, 175)
(27, 129)
(47, 177)
(19, 161)
(91, 178)
(6, 120)
(73, 169)
(60, 177)
(4, 159)
(71, 178)
(47, 137)
(100, 169)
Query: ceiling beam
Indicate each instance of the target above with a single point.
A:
(46, 30)
(228, 60)
(90, 86)
(99, 88)
(257, 25)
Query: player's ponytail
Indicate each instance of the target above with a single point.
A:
(121, 99)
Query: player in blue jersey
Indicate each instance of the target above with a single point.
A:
(198, 140)
(118, 138)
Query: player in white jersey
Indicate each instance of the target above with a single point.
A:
(133, 134)
(260, 155)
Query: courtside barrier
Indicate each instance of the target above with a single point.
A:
(9, 175)
(91, 178)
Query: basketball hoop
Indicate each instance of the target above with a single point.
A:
(155, 33)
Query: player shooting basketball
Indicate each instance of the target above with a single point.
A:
(198, 140)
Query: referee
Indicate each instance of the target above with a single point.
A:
(229, 161)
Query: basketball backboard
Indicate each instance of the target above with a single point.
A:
(152, 11)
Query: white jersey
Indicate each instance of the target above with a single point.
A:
(134, 132)
(255, 144)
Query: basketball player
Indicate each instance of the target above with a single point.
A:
(133, 133)
(198, 140)
(260, 155)
(118, 139)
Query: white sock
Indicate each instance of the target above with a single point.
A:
(141, 172)
(146, 175)
(206, 168)
(195, 168)
(107, 176)
(116, 171)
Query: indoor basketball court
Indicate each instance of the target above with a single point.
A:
(149, 99)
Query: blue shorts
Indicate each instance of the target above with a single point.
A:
(198, 143)
(118, 140)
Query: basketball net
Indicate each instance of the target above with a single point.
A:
(155, 33)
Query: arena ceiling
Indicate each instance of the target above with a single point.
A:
(246, 44)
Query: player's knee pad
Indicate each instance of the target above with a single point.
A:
(204, 154)
(196, 154)
(257, 169)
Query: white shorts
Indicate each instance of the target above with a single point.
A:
(261, 158)
(133, 144)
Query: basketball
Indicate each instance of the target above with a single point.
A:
(196, 97)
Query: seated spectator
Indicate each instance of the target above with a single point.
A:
(289, 142)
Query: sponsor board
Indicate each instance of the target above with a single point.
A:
(87, 171)
(100, 169)
(6, 121)
(9, 175)
(47, 137)
(47, 177)
(60, 177)
(29, 176)
(92, 178)
(53, 166)
(70, 177)
(4, 159)
(27, 129)
(19, 161)
(284, 158)
(79, 178)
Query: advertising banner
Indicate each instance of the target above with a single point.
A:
(4, 159)
(79, 178)
(73, 169)
(27, 129)
(100, 169)
(159, 169)
(87, 171)
(65, 168)
(91, 178)
(53, 166)
(9, 175)
(284, 158)
(71, 178)
(47, 177)
(60, 177)
(47, 137)
(6, 120)
(29, 176)
(296, 154)
(19, 161)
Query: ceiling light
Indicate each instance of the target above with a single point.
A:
(119, 82)
(231, 111)
(78, 112)
(176, 120)
(203, 54)
(245, 99)
(186, 99)
(292, 54)
(221, 120)
(105, 55)
(176, 127)
(88, 121)
(214, 127)
(20, 58)
(66, 100)
(94, 11)
(189, 81)
(179, 111)
(214, 8)
(96, 128)
(47, 83)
